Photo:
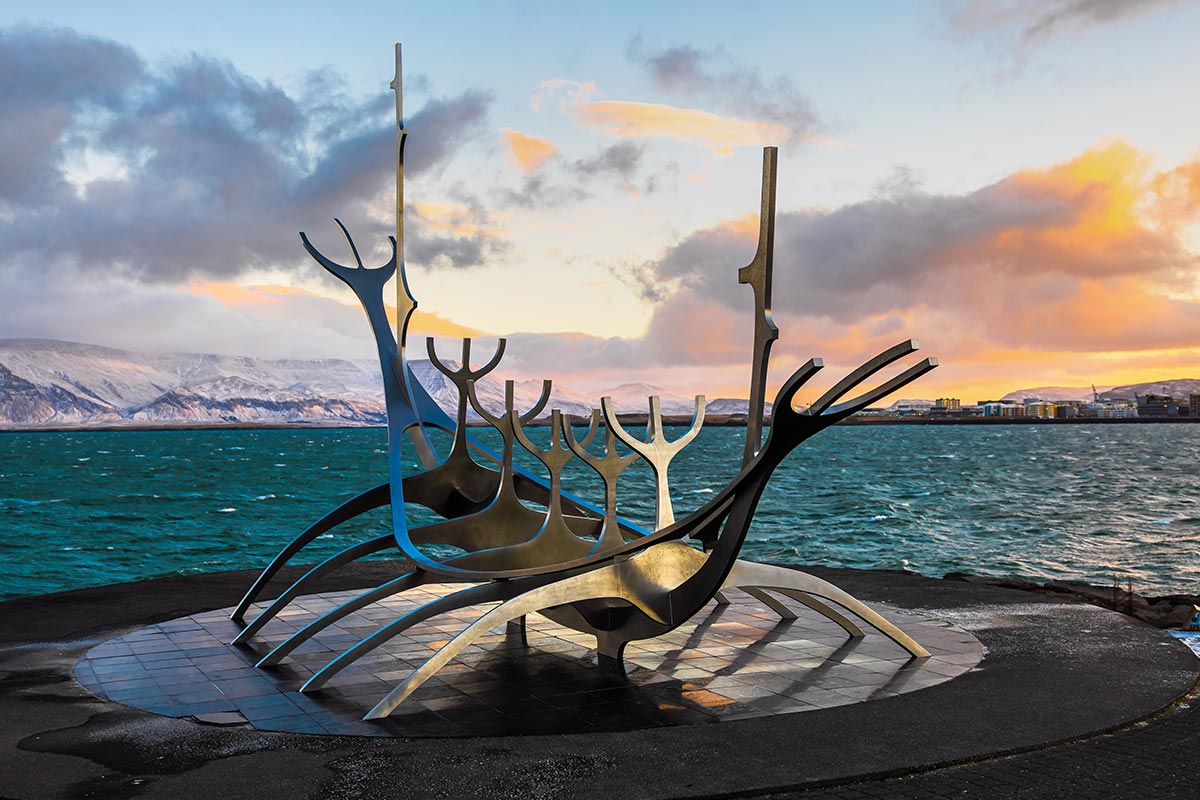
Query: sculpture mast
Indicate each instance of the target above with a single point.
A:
(758, 274)
(405, 302)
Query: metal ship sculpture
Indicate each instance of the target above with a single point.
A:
(580, 564)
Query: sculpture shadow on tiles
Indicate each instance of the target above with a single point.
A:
(578, 563)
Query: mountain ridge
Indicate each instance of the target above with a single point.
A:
(52, 383)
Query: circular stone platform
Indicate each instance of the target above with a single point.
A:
(732, 662)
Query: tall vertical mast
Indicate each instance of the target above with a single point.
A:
(405, 302)
(758, 275)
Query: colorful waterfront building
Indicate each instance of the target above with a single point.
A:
(999, 408)
(1042, 409)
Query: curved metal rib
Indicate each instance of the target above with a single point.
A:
(656, 450)
(487, 593)
(395, 586)
(747, 573)
(351, 553)
(825, 610)
(360, 504)
(608, 583)
(763, 595)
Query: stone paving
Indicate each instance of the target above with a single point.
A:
(731, 663)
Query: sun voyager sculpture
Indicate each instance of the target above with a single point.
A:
(579, 564)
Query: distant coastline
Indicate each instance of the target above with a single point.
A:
(715, 421)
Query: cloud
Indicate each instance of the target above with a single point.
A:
(564, 182)
(1070, 257)
(289, 299)
(568, 92)
(209, 172)
(528, 152)
(452, 235)
(50, 79)
(1027, 25)
(628, 120)
(711, 76)
(1061, 275)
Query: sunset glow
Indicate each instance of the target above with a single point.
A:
(1028, 208)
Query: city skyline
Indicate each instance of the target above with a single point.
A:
(1009, 183)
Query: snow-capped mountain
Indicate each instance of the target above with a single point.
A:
(45, 383)
(1176, 387)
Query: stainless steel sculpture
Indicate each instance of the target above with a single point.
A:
(579, 564)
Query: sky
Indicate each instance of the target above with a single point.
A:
(1014, 184)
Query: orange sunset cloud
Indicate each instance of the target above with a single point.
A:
(450, 218)
(528, 152)
(233, 294)
(629, 120)
(1065, 275)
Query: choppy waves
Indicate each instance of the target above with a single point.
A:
(1086, 502)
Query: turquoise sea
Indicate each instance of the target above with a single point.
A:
(1089, 502)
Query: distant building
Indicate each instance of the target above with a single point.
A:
(1118, 409)
(1042, 409)
(1157, 405)
(1194, 405)
(1070, 409)
(949, 404)
(911, 408)
(997, 408)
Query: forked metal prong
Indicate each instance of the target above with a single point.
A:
(860, 374)
(350, 241)
(540, 404)
(656, 450)
(464, 372)
(843, 410)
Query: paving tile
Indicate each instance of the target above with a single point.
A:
(737, 662)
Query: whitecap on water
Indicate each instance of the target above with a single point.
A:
(226, 510)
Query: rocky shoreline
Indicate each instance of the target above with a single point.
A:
(1170, 611)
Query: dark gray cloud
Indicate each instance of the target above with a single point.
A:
(560, 182)
(464, 239)
(217, 170)
(906, 249)
(48, 80)
(710, 76)
(1028, 24)
(620, 160)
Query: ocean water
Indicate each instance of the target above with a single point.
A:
(1087, 502)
